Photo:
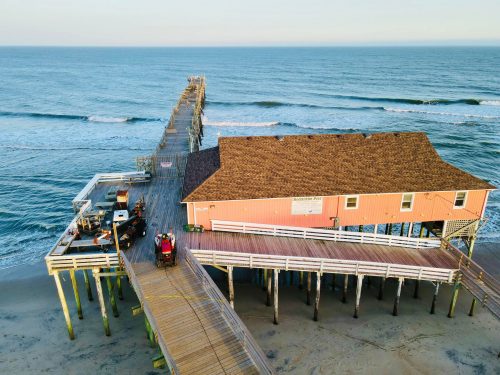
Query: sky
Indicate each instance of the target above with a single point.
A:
(249, 22)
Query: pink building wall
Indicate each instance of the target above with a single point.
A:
(372, 209)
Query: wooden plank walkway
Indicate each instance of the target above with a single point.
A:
(196, 328)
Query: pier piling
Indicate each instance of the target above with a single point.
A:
(358, 295)
(395, 310)
(269, 291)
(87, 285)
(308, 297)
(276, 273)
(77, 294)
(230, 285)
(434, 298)
(64, 305)
(381, 289)
(344, 290)
(111, 295)
(100, 296)
(316, 302)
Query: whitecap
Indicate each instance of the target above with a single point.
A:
(490, 102)
(403, 110)
(107, 119)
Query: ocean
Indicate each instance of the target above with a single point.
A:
(68, 113)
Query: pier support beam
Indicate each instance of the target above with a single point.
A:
(265, 280)
(472, 307)
(358, 295)
(333, 282)
(344, 290)
(301, 280)
(64, 305)
(434, 298)
(231, 285)
(316, 302)
(308, 298)
(87, 285)
(100, 296)
(77, 294)
(149, 332)
(454, 297)
(395, 310)
(119, 287)
(269, 290)
(417, 289)
(111, 295)
(381, 289)
(276, 273)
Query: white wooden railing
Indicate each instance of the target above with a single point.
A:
(81, 261)
(322, 265)
(324, 234)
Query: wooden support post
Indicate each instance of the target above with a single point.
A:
(265, 280)
(230, 285)
(375, 229)
(454, 297)
(100, 296)
(417, 289)
(344, 290)
(87, 285)
(308, 299)
(64, 305)
(159, 361)
(276, 273)
(149, 332)
(360, 229)
(428, 233)
(316, 302)
(386, 229)
(395, 310)
(421, 233)
(119, 287)
(434, 298)
(333, 282)
(381, 289)
(402, 231)
(471, 246)
(301, 280)
(269, 290)
(358, 295)
(472, 307)
(77, 294)
(410, 230)
(111, 295)
(390, 229)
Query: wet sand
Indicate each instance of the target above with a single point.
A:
(33, 336)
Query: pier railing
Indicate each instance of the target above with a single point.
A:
(484, 287)
(322, 265)
(230, 315)
(324, 234)
(81, 261)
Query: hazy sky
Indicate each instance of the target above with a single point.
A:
(250, 22)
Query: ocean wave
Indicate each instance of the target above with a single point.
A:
(92, 118)
(272, 104)
(490, 102)
(406, 100)
(404, 110)
(236, 124)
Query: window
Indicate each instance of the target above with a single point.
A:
(351, 202)
(460, 198)
(407, 202)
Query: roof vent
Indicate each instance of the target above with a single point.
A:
(280, 137)
(367, 136)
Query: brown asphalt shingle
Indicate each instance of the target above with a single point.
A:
(321, 165)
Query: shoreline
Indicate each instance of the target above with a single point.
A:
(34, 336)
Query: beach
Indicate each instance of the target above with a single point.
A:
(34, 339)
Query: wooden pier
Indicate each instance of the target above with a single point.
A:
(186, 315)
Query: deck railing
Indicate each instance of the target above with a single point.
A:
(484, 287)
(324, 234)
(322, 265)
(246, 339)
(81, 261)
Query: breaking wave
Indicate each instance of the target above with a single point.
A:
(92, 118)
(231, 123)
(404, 110)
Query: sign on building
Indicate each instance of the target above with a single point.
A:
(307, 206)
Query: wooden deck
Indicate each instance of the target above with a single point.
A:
(196, 328)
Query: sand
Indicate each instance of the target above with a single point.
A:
(33, 336)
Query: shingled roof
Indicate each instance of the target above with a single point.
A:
(321, 165)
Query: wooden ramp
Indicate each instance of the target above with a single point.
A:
(197, 330)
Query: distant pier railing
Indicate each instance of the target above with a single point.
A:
(324, 234)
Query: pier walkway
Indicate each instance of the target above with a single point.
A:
(196, 329)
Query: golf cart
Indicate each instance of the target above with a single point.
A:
(165, 251)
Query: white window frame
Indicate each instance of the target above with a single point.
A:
(465, 200)
(357, 202)
(411, 204)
